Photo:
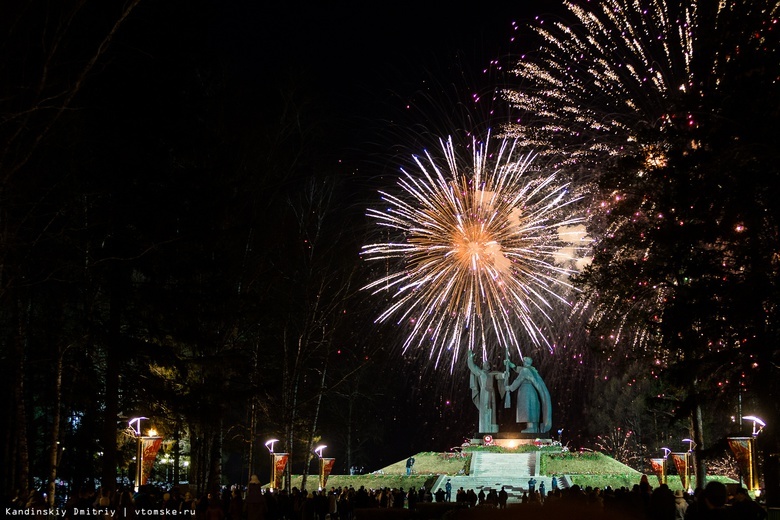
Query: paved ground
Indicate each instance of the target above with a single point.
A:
(493, 470)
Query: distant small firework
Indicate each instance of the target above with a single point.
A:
(476, 252)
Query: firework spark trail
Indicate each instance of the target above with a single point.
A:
(596, 83)
(474, 252)
(636, 78)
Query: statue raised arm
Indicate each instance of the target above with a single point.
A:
(506, 393)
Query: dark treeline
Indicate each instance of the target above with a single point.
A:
(177, 243)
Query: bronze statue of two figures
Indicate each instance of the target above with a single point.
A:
(515, 400)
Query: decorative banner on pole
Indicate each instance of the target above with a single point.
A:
(280, 462)
(681, 463)
(149, 446)
(659, 468)
(744, 451)
(326, 465)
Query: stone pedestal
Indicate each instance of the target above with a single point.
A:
(513, 439)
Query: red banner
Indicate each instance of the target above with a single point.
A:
(149, 446)
(280, 462)
(681, 463)
(659, 468)
(743, 449)
(326, 466)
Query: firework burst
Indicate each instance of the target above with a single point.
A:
(476, 251)
(640, 94)
(623, 74)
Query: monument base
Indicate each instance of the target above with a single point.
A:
(513, 439)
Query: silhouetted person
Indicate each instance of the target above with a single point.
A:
(503, 496)
(745, 507)
(256, 506)
(711, 504)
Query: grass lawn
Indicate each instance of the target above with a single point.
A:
(370, 481)
(589, 469)
(583, 468)
(673, 481)
(427, 467)
(584, 463)
(431, 462)
(598, 470)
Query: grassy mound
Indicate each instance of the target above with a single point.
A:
(584, 463)
(598, 470)
(427, 467)
(431, 462)
(589, 469)
(582, 468)
(372, 481)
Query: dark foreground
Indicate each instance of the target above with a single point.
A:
(640, 503)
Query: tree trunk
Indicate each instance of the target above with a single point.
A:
(313, 429)
(111, 413)
(198, 457)
(697, 427)
(290, 433)
(290, 404)
(253, 412)
(252, 428)
(215, 459)
(22, 448)
(54, 448)
(350, 413)
(176, 452)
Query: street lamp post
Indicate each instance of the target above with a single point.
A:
(146, 448)
(758, 424)
(665, 461)
(269, 444)
(752, 463)
(659, 466)
(689, 461)
(744, 450)
(135, 426)
(318, 450)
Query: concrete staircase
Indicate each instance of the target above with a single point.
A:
(485, 464)
(494, 470)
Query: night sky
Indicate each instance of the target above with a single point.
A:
(388, 80)
(370, 65)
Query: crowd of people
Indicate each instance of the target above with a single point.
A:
(641, 502)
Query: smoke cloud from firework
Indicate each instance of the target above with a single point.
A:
(477, 252)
